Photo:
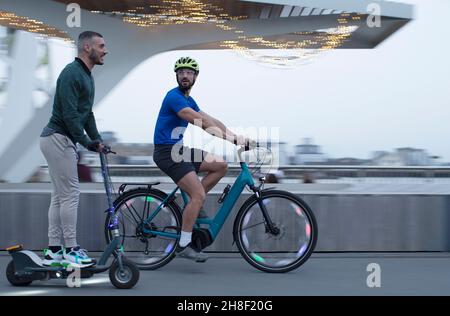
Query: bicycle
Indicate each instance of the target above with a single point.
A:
(275, 231)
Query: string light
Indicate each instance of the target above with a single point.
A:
(11, 20)
(300, 48)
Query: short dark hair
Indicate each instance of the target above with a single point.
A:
(87, 35)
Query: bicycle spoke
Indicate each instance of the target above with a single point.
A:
(128, 207)
(263, 222)
(129, 218)
(146, 206)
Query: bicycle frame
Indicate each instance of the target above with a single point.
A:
(215, 224)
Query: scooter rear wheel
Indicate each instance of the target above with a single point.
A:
(15, 279)
(125, 278)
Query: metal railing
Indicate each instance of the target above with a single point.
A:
(293, 173)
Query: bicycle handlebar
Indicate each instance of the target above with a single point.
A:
(247, 147)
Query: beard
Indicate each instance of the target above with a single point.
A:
(185, 85)
(95, 58)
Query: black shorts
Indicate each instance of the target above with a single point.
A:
(177, 161)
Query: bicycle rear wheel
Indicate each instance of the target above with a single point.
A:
(147, 251)
(276, 252)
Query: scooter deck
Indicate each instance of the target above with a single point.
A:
(28, 261)
(93, 269)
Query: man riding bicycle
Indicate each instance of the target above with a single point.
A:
(181, 163)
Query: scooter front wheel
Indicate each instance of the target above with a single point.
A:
(124, 278)
(15, 279)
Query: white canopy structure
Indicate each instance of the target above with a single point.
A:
(138, 29)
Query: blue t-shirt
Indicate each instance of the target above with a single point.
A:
(169, 126)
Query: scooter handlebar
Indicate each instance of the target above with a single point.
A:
(107, 150)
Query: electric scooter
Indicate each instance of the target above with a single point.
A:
(26, 266)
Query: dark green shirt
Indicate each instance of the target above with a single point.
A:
(72, 107)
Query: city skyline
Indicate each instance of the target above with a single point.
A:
(291, 152)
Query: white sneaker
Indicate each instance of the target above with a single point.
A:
(78, 258)
(189, 253)
(52, 259)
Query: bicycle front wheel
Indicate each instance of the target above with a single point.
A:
(148, 251)
(287, 248)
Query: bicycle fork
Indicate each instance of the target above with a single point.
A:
(270, 226)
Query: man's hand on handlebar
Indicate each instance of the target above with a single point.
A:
(245, 141)
(99, 147)
(95, 145)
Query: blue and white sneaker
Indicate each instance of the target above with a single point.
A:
(52, 259)
(78, 258)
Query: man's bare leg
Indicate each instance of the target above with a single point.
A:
(216, 169)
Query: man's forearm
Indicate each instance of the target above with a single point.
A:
(218, 129)
(72, 120)
(91, 128)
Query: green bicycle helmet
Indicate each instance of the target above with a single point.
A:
(186, 62)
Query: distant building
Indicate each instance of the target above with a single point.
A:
(403, 157)
(414, 157)
(308, 153)
(388, 159)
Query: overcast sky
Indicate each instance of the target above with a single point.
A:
(351, 102)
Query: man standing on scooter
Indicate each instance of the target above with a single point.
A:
(71, 116)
